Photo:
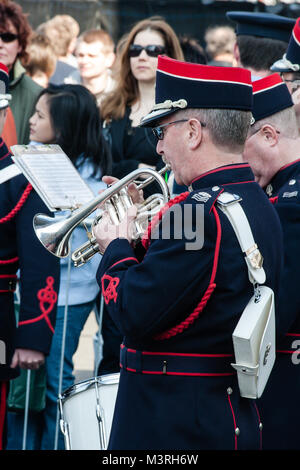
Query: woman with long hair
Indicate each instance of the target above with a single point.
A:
(68, 115)
(134, 94)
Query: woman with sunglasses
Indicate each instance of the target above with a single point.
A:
(15, 33)
(133, 147)
(134, 94)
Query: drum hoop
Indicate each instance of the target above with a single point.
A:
(108, 379)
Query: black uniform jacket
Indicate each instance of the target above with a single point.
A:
(283, 389)
(22, 254)
(177, 304)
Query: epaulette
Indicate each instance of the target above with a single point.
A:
(289, 193)
(207, 196)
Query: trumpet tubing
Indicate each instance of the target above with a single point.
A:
(117, 210)
(55, 234)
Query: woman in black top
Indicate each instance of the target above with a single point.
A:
(134, 95)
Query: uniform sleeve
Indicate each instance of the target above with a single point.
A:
(145, 298)
(39, 282)
(288, 210)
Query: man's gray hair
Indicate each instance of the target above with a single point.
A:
(285, 121)
(228, 127)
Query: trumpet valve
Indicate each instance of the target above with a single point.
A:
(85, 252)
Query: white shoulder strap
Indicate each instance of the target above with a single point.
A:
(229, 204)
(9, 172)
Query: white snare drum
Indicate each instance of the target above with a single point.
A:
(87, 410)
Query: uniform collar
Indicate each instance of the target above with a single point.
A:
(285, 173)
(227, 174)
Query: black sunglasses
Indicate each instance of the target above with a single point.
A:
(8, 37)
(151, 50)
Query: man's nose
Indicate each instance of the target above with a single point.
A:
(159, 146)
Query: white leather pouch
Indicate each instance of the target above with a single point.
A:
(254, 335)
(254, 344)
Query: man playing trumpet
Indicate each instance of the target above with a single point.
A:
(175, 300)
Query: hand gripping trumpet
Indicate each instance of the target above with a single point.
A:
(55, 234)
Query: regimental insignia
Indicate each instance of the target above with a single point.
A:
(47, 299)
(269, 190)
(109, 291)
(201, 196)
(292, 194)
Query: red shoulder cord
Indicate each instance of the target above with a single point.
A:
(211, 286)
(18, 206)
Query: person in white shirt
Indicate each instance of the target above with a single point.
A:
(95, 57)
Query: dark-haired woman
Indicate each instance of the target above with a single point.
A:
(134, 95)
(67, 115)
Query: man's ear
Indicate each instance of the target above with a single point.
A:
(270, 134)
(195, 135)
(110, 59)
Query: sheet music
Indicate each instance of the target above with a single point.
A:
(53, 176)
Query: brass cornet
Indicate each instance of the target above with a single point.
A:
(55, 234)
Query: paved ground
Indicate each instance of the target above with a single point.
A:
(84, 356)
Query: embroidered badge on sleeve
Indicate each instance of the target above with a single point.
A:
(47, 298)
(109, 292)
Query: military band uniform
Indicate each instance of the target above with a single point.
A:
(21, 251)
(282, 390)
(177, 309)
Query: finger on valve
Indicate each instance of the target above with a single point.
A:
(136, 194)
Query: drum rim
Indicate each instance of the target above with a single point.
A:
(107, 379)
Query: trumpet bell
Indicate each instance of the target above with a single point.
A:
(52, 234)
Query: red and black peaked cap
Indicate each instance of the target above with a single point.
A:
(4, 84)
(270, 95)
(181, 85)
(290, 62)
